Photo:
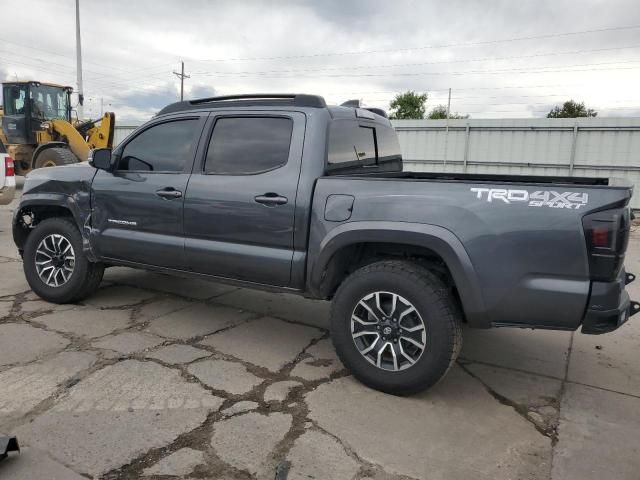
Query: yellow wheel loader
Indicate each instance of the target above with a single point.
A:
(37, 129)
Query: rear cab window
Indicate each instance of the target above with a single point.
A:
(354, 145)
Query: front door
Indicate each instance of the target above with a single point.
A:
(240, 203)
(137, 210)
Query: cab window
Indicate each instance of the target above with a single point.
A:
(14, 97)
(248, 145)
(164, 147)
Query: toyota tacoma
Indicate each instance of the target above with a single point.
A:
(285, 193)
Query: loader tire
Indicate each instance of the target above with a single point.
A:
(55, 156)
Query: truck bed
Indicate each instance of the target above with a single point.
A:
(523, 234)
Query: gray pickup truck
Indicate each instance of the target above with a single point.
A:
(285, 193)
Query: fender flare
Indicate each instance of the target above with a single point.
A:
(438, 239)
(40, 148)
(82, 219)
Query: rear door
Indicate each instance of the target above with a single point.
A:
(240, 203)
(138, 209)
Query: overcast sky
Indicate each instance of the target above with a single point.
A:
(341, 49)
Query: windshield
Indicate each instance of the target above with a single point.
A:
(48, 103)
(14, 96)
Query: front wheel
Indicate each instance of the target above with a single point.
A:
(54, 263)
(396, 326)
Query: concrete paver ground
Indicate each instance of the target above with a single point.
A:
(177, 464)
(117, 414)
(177, 353)
(160, 377)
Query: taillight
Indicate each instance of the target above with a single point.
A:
(9, 168)
(601, 237)
(607, 235)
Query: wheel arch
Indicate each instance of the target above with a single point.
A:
(48, 205)
(341, 251)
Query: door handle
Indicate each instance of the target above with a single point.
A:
(271, 199)
(169, 193)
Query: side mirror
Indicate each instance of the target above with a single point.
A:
(100, 158)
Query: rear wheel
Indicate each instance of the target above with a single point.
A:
(396, 326)
(55, 156)
(55, 265)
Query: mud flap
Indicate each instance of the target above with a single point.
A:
(7, 445)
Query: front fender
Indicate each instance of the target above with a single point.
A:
(438, 239)
(81, 215)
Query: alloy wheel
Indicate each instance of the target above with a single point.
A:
(55, 260)
(388, 331)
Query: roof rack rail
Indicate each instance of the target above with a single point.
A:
(300, 100)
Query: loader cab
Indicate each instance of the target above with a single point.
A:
(28, 104)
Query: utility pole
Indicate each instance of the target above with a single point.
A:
(181, 76)
(79, 63)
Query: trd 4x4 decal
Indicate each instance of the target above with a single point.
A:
(539, 198)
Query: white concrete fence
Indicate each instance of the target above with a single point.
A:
(584, 147)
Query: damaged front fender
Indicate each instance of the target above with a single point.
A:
(57, 191)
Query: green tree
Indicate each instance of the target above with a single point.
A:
(408, 106)
(440, 113)
(571, 109)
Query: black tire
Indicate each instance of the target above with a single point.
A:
(433, 302)
(85, 277)
(55, 156)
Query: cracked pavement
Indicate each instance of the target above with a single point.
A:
(159, 377)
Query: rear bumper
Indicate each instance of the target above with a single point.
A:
(609, 305)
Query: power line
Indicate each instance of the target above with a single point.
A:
(89, 80)
(425, 47)
(162, 73)
(501, 88)
(467, 72)
(483, 59)
(430, 90)
(58, 66)
(124, 81)
(58, 54)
